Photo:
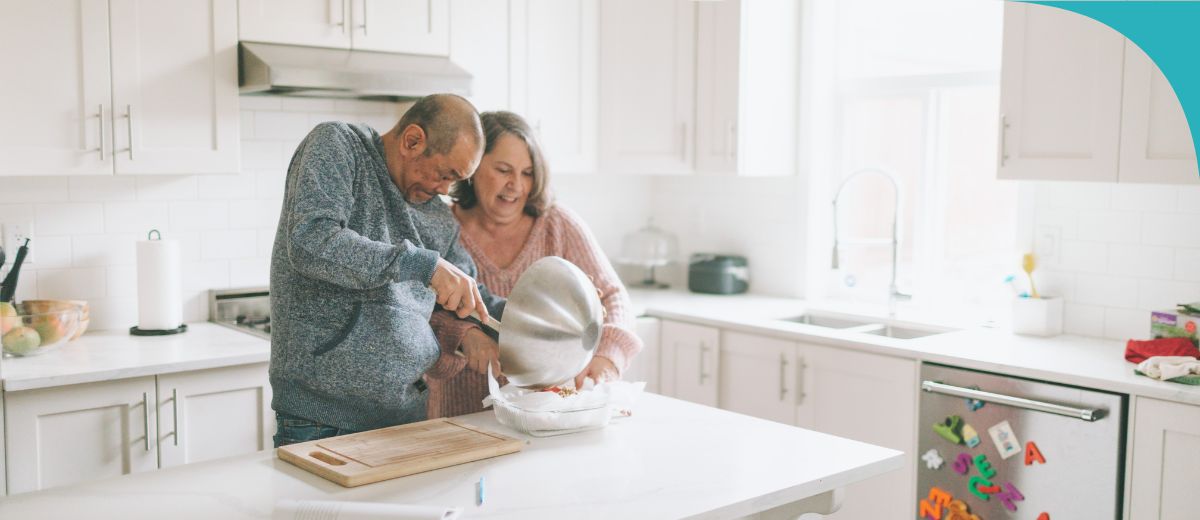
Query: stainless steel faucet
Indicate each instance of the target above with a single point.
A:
(894, 293)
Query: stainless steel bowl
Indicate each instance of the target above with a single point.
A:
(552, 324)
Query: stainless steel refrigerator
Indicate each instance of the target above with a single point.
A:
(1005, 447)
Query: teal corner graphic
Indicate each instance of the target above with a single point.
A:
(1168, 32)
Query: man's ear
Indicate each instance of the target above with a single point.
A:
(413, 140)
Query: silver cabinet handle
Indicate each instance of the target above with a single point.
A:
(730, 140)
(146, 417)
(175, 412)
(1003, 139)
(800, 368)
(703, 354)
(129, 129)
(342, 14)
(364, 24)
(100, 117)
(782, 374)
(1084, 414)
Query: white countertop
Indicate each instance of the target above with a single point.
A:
(1075, 360)
(107, 355)
(671, 459)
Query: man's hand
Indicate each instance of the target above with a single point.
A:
(600, 369)
(456, 292)
(481, 351)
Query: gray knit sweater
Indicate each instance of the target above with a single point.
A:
(350, 297)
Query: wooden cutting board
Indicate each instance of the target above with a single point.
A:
(387, 453)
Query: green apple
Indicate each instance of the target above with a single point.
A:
(21, 340)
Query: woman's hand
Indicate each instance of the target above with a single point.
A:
(481, 351)
(600, 369)
(457, 292)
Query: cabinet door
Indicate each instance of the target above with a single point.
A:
(1060, 96)
(1166, 460)
(690, 362)
(210, 414)
(55, 100)
(408, 26)
(644, 366)
(479, 42)
(868, 398)
(175, 86)
(717, 74)
(317, 23)
(554, 78)
(647, 85)
(68, 434)
(758, 376)
(1156, 145)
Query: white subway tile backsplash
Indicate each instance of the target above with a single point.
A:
(252, 102)
(27, 286)
(199, 215)
(136, 217)
(1084, 257)
(1083, 320)
(1079, 195)
(306, 104)
(102, 188)
(266, 242)
(1122, 227)
(243, 214)
(1125, 323)
(102, 250)
(1065, 220)
(270, 185)
(202, 276)
(289, 126)
(1111, 291)
(16, 212)
(28, 190)
(168, 187)
(246, 125)
(189, 244)
(225, 187)
(1169, 229)
(228, 244)
(1141, 261)
(1189, 198)
(1051, 283)
(71, 284)
(1144, 197)
(122, 281)
(262, 155)
(68, 218)
(249, 272)
(1164, 294)
(112, 313)
(1187, 265)
(50, 252)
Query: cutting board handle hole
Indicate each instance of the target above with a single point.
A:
(327, 459)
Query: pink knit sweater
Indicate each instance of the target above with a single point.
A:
(456, 390)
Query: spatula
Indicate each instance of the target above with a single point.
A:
(1029, 264)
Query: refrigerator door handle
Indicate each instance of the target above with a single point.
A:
(1016, 402)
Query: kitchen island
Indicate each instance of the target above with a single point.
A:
(671, 459)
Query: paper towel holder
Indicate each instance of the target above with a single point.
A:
(154, 234)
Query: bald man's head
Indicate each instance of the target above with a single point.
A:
(446, 119)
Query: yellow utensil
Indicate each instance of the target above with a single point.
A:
(1028, 264)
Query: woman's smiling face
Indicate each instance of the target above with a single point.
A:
(504, 179)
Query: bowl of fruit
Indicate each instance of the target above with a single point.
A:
(28, 330)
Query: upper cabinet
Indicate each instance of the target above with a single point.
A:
(128, 87)
(708, 87)
(408, 26)
(1080, 103)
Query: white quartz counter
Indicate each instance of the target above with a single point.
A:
(671, 459)
(1074, 360)
(107, 355)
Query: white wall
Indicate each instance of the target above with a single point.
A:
(1126, 249)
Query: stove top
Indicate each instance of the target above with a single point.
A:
(246, 309)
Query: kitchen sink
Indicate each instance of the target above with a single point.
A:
(833, 322)
(893, 331)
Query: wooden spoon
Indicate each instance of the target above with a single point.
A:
(1028, 264)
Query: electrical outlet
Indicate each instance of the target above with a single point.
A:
(15, 234)
(1047, 243)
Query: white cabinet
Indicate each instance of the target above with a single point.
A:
(209, 414)
(554, 78)
(479, 43)
(63, 435)
(68, 434)
(1156, 145)
(1080, 103)
(765, 371)
(1166, 460)
(407, 26)
(690, 362)
(645, 365)
(647, 85)
(128, 87)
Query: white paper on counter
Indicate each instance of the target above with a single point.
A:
(332, 510)
(159, 287)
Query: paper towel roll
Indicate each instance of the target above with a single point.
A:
(160, 296)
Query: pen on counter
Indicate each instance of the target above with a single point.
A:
(479, 492)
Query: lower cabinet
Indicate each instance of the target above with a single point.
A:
(690, 360)
(1166, 460)
(69, 434)
(644, 366)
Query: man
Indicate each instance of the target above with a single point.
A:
(363, 251)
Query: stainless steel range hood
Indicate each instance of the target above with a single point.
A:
(293, 70)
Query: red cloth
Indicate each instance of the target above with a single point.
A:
(1137, 351)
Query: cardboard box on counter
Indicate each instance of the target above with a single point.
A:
(1174, 324)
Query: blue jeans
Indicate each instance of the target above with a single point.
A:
(290, 429)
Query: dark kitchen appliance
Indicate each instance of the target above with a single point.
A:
(718, 274)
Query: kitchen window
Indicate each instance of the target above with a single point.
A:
(913, 89)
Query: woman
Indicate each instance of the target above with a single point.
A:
(508, 221)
